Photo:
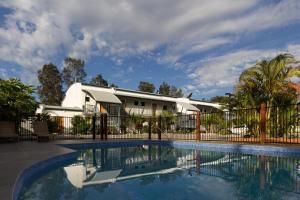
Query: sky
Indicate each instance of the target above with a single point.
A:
(200, 46)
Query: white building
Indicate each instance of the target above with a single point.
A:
(83, 99)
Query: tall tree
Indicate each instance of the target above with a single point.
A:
(146, 87)
(268, 78)
(16, 100)
(220, 99)
(98, 80)
(175, 92)
(164, 89)
(50, 90)
(114, 85)
(73, 71)
(170, 90)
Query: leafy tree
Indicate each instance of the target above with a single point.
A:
(80, 125)
(220, 99)
(267, 79)
(73, 71)
(98, 80)
(169, 90)
(50, 90)
(175, 92)
(114, 85)
(164, 89)
(16, 100)
(146, 87)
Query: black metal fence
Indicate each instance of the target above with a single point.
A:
(236, 125)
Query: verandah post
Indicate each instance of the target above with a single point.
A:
(105, 125)
(198, 124)
(149, 128)
(101, 127)
(94, 127)
(263, 122)
(159, 128)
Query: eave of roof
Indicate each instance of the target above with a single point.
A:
(51, 107)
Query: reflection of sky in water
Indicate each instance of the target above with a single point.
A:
(153, 172)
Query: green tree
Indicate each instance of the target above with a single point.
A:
(169, 90)
(164, 89)
(98, 80)
(114, 85)
(16, 100)
(175, 92)
(50, 89)
(220, 99)
(73, 71)
(80, 125)
(267, 81)
(146, 87)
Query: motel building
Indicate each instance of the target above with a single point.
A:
(88, 100)
(84, 99)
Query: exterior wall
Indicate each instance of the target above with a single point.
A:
(74, 97)
(130, 107)
(91, 105)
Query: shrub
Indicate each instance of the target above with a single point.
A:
(80, 124)
(16, 100)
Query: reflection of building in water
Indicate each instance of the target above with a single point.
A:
(100, 166)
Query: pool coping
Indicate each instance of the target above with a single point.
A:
(31, 172)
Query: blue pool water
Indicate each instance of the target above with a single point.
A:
(148, 172)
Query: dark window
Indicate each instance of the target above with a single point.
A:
(136, 103)
(87, 99)
(174, 107)
(165, 107)
(142, 103)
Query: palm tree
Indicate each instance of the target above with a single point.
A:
(267, 80)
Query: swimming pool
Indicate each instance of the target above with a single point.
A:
(166, 172)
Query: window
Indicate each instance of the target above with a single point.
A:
(87, 99)
(136, 103)
(165, 107)
(174, 107)
(142, 103)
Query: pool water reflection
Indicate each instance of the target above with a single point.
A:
(159, 172)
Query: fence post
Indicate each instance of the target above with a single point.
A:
(263, 121)
(105, 125)
(94, 127)
(198, 124)
(159, 127)
(101, 127)
(149, 128)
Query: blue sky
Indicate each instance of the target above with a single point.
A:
(198, 45)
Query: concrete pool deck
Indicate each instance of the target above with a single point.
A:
(17, 157)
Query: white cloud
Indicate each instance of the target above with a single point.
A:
(36, 31)
(3, 73)
(213, 74)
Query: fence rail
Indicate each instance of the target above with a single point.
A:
(244, 125)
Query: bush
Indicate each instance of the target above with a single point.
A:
(168, 119)
(80, 124)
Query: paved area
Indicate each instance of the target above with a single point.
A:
(15, 157)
